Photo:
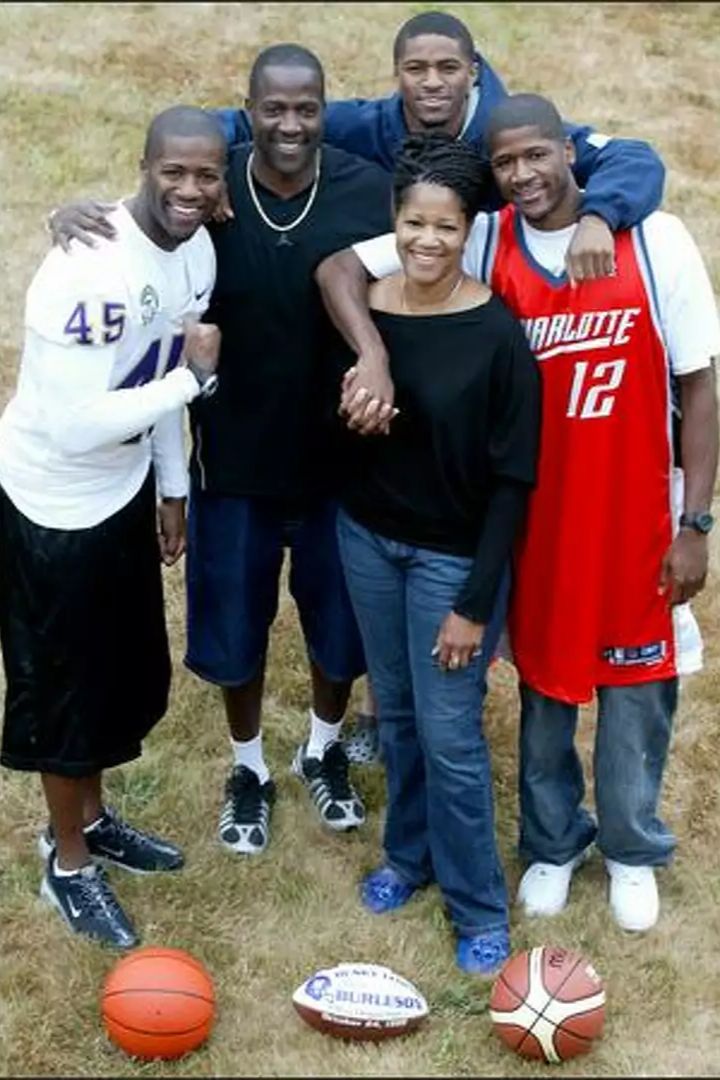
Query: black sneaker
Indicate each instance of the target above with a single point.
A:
(88, 905)
(111, 840)
(245, 819)
(327, 780)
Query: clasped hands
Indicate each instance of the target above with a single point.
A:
(367, 398)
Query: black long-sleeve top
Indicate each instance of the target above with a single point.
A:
(455, 471)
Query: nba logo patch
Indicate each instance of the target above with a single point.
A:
(630, 655)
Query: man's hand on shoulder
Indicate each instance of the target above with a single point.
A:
(591, 253)
(81, 221)
(223, 211)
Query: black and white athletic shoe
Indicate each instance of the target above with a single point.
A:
(113, 841)
(88, 905)
(245, 819)
(326, 778)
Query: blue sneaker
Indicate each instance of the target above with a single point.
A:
(483, 954)
(383, 890)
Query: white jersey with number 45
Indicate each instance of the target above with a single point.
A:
(99, 391)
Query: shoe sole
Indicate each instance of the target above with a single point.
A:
(237, 849)
(49, 897)
(44, 849)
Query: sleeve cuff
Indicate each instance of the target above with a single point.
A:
(602, 210)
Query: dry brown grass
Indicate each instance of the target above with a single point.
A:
(78, 83)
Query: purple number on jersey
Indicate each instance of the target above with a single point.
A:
(114, 322)
(148, 366)
(78, 325)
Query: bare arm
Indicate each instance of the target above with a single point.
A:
(685, 565)
(368, 392)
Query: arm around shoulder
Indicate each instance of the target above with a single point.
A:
(623, 179)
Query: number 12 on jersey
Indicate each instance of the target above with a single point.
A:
(592, 394)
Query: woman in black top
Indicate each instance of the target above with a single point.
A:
(430, 514)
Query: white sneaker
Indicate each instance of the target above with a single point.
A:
(634, 899)
(544, 887)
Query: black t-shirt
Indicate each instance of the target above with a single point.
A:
(454, 472)
(266, 430)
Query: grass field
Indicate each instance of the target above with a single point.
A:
(78, 84)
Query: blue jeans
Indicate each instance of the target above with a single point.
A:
(439, 823)
(633, 730)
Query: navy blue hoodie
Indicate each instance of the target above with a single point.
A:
(622, 178)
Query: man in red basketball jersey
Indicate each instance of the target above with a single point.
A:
(615, 543)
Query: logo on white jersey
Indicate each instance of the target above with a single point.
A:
(568, 332)
(149, 304)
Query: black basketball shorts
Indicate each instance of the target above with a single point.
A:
(84, 642)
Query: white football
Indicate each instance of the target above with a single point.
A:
(360, 1001)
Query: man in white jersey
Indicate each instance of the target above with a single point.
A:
(113, 351)
(588, 616)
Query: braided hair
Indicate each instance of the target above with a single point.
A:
(439, 158)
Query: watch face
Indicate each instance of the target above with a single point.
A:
(702, 523)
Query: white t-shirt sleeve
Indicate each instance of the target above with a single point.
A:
(379, 256)
(475, 246)
(74, 326)
(687, 307)
(81, 414)
(168, 454)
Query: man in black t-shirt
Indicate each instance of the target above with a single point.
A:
(263, 458)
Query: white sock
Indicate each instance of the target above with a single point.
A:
(322, 735)
(250, 754)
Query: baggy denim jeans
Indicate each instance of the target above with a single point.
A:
(440, 820)
(634, 725)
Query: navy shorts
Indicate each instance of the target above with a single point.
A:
(234, 558)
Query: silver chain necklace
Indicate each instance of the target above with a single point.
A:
(256, 202)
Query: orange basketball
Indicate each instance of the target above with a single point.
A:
(158, 1003)
(548, 1003)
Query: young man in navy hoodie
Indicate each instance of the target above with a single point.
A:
(444, 84)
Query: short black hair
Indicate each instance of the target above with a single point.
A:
(440, 159)
(434, 22)
(186, 121)
(285, 54)
(525, 110)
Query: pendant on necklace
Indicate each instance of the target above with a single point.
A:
(284, 241)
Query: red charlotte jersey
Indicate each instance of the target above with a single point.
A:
(585, 610)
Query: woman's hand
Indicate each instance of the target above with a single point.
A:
(458, 641)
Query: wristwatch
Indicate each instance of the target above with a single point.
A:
(701, 522)
(206, 380)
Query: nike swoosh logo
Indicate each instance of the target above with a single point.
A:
(199, 295)
(75, 912)
(116, 853)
